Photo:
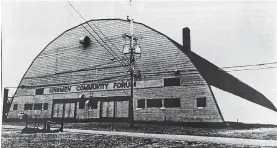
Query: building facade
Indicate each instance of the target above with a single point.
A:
(90, 78)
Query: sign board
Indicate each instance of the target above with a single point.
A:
(103, 86)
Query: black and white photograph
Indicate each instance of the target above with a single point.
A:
(138, 74)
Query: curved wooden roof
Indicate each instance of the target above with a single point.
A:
(212, 74)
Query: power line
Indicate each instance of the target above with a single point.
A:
(66, 48)
(121, 61)
(252, 69)
(97, 35)
(78, 70)
(147, 71)
(71, 14)
(149, 74)
(153, 74)
(164, 72)
(94, 26)
(79, 75)
(260, 64)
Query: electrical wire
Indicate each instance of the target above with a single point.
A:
(144, 72)
(102, 45)
(148, 71)
(161, 72)
(95, 27)
(260, 64)
(252, 69)
(78, 82)
(149, 74)
(73, 71)
(98, 36)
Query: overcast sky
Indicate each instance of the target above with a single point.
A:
(225, 33)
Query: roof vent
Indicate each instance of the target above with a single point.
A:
(85, 41)
(177, 72)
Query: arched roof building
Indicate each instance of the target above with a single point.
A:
(69, 79)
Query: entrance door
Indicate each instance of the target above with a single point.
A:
(57, 110)
(64, 108)
(69, 110)
(108, 109)
(115, 109)
(93, 109)
(122, 109)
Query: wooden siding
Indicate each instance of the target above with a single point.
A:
(64, 55)
(65, 61)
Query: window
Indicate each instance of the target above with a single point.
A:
(93, 104)
(39, 91)
(172, 82)
(174, 102)
(154, 102)
(82, 102)
(15, 106)
(141, 103)
(38, 106)
(45, 106)
(201, 102)
(28, 106)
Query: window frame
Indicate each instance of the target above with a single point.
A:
(37, 106)
(140, 101)
(168, 83)
(25, 106)
(160, 104)
(93, 104)
(166, 105)
(15, 106)
(201, 102)
(44, 106)
(82, 103)
(39, 91)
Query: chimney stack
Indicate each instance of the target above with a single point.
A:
(186, 39)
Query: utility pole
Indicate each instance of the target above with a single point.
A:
(132, 60)
(132, 49)
(6, 107)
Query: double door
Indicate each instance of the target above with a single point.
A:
(64, 109)
(115, 109)
(110, 108)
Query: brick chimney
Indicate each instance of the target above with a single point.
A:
(186, 39)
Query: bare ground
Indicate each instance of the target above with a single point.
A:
(252, 133)
(13, 138)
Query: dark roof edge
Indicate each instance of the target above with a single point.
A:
(220, 78)
(216, 77)
(226, 82)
